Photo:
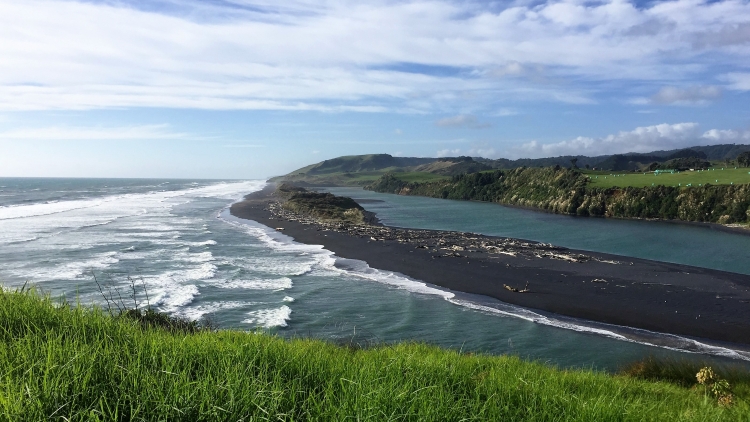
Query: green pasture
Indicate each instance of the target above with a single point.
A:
(714, 176)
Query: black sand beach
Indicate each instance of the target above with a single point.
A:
(656, 296)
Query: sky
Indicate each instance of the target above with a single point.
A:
(256, 88)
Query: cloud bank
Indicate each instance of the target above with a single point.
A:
(414, 56)
(642, 139)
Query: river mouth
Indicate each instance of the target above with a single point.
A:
(198, 265)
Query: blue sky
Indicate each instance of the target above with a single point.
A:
(249, 89)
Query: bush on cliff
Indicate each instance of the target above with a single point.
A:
(324, 206)
(566, 191)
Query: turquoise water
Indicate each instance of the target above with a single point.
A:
(701, 246)
(198, 261)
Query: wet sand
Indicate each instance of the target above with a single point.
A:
(662, 297)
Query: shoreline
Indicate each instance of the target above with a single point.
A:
(661, 297)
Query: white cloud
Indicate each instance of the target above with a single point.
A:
(448, 152)
(486, 152)
(143, 132)
(350, 56)
(483, 152)
(642, 139)
(738, 80)
(462, 120)
(721, 136)
(691, 95)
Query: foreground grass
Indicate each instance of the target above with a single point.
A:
(715, 176)
(71, 363)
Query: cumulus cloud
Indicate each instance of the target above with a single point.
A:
(642, 139)
(487, 152)
(462, 120)
(691, 95)
(337, 56)
(483, 152)
(721, 136)
(448, 152)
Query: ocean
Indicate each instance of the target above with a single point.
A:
(172, 244)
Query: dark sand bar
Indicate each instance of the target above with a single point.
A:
(632, 292)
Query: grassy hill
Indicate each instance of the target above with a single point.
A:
(361, 170)
(719, 154)
(66, 362)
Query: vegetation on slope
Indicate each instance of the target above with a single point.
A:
(65, 362)
(323, 206)
(360, 170)
(567, 191)
(626, 162)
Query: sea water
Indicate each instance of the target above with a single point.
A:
(175, 242)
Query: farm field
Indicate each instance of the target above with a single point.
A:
(714, 176)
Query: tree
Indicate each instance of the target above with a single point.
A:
(573, 161)
(744, 159)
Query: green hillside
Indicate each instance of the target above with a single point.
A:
(359, 170)
(71, 363)
(719, 154)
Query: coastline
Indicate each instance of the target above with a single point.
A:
(660, 297)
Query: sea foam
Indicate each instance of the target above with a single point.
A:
(268, 318)
(326, 260)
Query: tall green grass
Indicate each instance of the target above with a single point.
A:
(67, 362)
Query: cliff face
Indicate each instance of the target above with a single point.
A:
(565, 191)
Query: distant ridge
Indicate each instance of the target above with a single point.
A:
(370, 162)
(359, 170)
(626, 161)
